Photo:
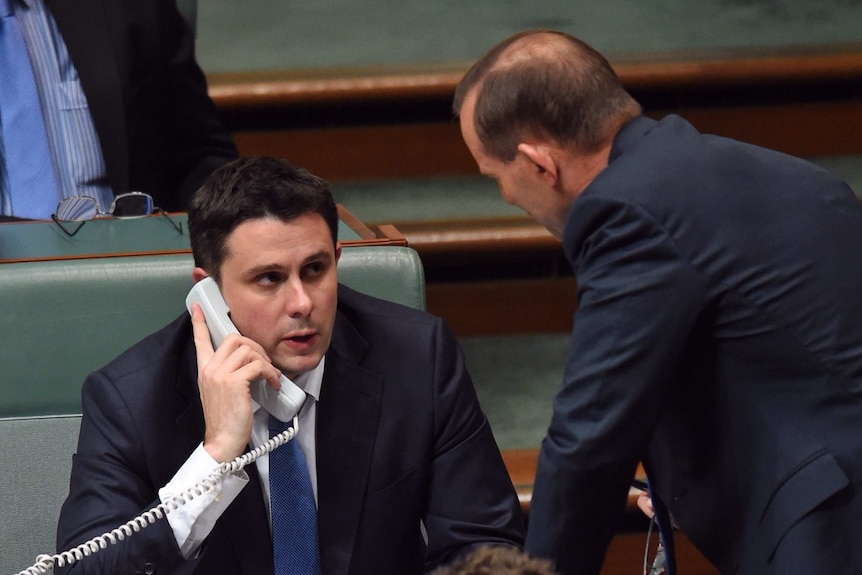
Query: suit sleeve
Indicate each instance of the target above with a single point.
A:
(471, 499)
(110, 484)
(638, 301)
(200, 141)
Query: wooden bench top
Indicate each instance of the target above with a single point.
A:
(664, 71)
(521, 464)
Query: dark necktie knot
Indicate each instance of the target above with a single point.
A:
(276, 426)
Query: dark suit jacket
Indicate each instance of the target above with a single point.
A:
(158, 129)
(719, 338)
(400, 438)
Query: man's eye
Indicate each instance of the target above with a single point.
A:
(267, 279)
(314, 269)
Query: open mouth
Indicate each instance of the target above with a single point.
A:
(302, 341)
(302, 338)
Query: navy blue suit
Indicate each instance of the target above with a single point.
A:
(718, 338)
(400, 438)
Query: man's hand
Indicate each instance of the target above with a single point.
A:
(224, 377)
(645, 504)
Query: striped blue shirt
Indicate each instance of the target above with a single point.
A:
(79, 167)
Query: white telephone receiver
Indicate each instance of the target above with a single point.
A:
(283, 403)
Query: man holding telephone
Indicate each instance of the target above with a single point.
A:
(403, 469)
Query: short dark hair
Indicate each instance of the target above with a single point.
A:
(496, 560)
(544, 83)
(248, 189)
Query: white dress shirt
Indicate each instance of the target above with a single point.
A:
(193, 522)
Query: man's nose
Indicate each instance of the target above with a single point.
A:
(298, 300)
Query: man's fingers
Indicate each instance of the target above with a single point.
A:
(645, 505)
(260, 370)
(203, 343)
(239, 352)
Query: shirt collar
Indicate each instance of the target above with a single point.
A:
(310, 382)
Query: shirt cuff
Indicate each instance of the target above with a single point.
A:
(193, 521)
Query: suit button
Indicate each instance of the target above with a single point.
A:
(149, 569)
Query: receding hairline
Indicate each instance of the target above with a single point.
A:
(526, 47)
(542, 45)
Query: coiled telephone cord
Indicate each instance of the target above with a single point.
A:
(45, 563)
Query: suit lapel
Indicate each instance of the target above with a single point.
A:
(85, 30)
(347, 422)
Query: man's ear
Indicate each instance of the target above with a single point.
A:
(198, 274)
(540, 156)
(337, 251)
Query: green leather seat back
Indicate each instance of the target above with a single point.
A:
(36, 455)
(63, 319)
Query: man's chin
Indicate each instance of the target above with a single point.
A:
(296, 366)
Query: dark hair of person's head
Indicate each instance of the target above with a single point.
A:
(544, 83)
(249, 189)
(496, 560)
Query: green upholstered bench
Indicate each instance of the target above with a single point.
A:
(63, 319)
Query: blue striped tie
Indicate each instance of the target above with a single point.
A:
(294, 512)
(29, 167)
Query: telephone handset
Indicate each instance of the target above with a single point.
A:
(283, 403)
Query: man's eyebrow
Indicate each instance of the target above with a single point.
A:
(275, 266)
(264, 268)
(317, 256)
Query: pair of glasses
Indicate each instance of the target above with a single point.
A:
(81, 209)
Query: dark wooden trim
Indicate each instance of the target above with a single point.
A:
(625, 554)
(806, 130)
(39, 230)
(626, 551)
(665, 71)
(518, 306)
(352, 222)
(396, 122)
(436, 149)
(57, 258)
(386, 235)
(392, 234)
(442, 240)
(365, 152)
(521, 465)
(760, 67)
(327, 86)
(378, 241)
